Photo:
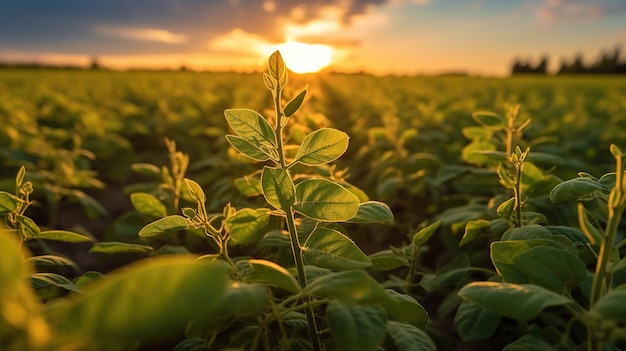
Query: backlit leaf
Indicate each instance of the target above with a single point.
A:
(270, 272)
(114, 247)
(424, 234)
(42, 280)
(489, 120)
(251, 126)
(294, 104)
(278, 189)
(247, 226)
(322, 146)
(373, 212)
(252, 150)
(148, 204)
(65, 236)
(325, 201)
(169, 224)
(8, 202)
(349, 285)
(328, 248)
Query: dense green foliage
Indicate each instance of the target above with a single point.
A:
(426, 212)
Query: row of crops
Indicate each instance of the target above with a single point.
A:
(448, 213)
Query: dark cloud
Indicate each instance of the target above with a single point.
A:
(72, 26)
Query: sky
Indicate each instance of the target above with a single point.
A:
(479, 37)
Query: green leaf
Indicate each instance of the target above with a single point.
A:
(242, 298)
(322, 146)
(528, 343)
(448, 275)
(42, 280)
(193, 344)
(527, 232)
(251, 126)
(146, 300)
(504, 252)
(169, 224)
(148, 204)
(611, 305)
(252, 150)
(405, 309)
(65, 236)
(277, 68)
(114, 247)
(270, 272)
(51, 260)
(294, 104)
(249, 186)
(14, 267)
(409, 338)
(424, 234)
(373, 212)
(195, 191)
(475, 323)
(489, 120)
(473, 229)
(521, 302)
(551, 268)
(328, 248)
(505, 210)
(278, 189)
(146, 169)
(325, 201)
(574, 189)
(28, 227)
(248, 225)
(386, 260)
(356, 327)
(354, 285)
(8, 202)
(270, 83)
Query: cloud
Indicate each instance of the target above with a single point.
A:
(577, 10)
(142, 34)
(239, 42)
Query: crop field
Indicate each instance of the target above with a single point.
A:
(178, 210)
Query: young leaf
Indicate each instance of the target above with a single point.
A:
(322, 146)
(8, 202)
(356, 327)
(248, 225)
(148, 204)
(473, 229)
(373, 212)
(407, 337)
(294, 104)
(270, 83)
(63, 235)
(278, 188)
(251, 126)
(28, 227)
(114, 247)
(475, 323)
(328, 248)
(325, 201)
(195, 191)
(162, 226)
(521, 302)
(277, 68)
(252, 150)
(424, 234)
(270, 272)
(145, 300)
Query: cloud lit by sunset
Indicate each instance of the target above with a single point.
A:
(378, 36)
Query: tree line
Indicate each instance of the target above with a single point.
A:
(609, 62)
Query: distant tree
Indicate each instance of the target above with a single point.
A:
(95, 65)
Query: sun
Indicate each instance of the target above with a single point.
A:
(305, 58)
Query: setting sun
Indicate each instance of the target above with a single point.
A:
(305, 58)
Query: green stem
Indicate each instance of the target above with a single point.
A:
(518, 196)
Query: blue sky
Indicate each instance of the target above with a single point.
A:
(379, 36)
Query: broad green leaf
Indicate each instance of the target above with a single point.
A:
(114, 247)
(169, 224)
(145, 300)
(248, 225)
(14, 267)
(42, 280)
(278, 189)
(527, 232)
(328, 248)
(325, 201)
(277, 68)
(8, 202)
(295, 320)
(51, 260)
(489, 120)
(551, 268)
(405, 309)
(28, 227)
(574, 189)
(373, 212)
(322, 146)
(242, 298)
(473, 229)
(294, 104)
(386, 260)
(251, 126)
(475, 132)
(252, 150)
(528, 343)
(274, 274)
(503, 253)
(195, 191)
(249, 186)
(448, 275)
(148, 204)
(356, 327)
(424, 234)
(193, 344)
(349, 285)
(65, 236)
(475, 323)
(407, 337)
(611, 305)
(87, 278)
(275, 238)
(517, 301)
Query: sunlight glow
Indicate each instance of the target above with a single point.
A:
(305, 58)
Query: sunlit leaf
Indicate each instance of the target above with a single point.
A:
(328, 248)
(114, 247)
(322, 146)
(325, 201)
(148, 204)
(373, 212)
(270, 272)
(294, 104)
(65, 236)
(169, 224)
(278, 189)
(252, 150)
(247, 226)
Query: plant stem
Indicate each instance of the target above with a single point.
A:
(518, 195)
